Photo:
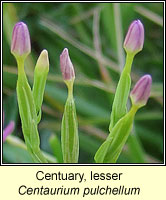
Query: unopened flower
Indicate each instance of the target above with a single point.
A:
(40, 77)
(20, 46)
(141, 91)
(8, 129)
(135, 37)
(66, 65)
(43, 61)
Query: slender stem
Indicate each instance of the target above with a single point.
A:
(70, 88)
(129, 61)
(122, 93)
(133, 143)
(133, 110)
(21, 72)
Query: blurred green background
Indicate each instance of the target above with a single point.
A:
(94, 34)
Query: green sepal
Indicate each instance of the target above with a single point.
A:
(40, 77)
(69, 133)
(25, 101)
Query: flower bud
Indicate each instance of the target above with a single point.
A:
(43, 62)
(20, 46)
(135, 37)
(40, 77)
(66, 65)
(141, 91)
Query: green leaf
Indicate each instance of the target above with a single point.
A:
(118, 137)
(102, 151)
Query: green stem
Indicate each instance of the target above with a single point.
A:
(128, 64)
(122, 92)
(70, 88)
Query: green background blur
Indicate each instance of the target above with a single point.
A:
(94, 34)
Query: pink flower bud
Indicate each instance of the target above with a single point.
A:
(135, 37)
(67, 68)
(20, 46)
(141, 91)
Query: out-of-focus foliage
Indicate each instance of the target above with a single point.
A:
(94, 34)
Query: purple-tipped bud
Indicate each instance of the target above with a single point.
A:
(67, 68)
(141, 91)
(134, 40)
(20, 46)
